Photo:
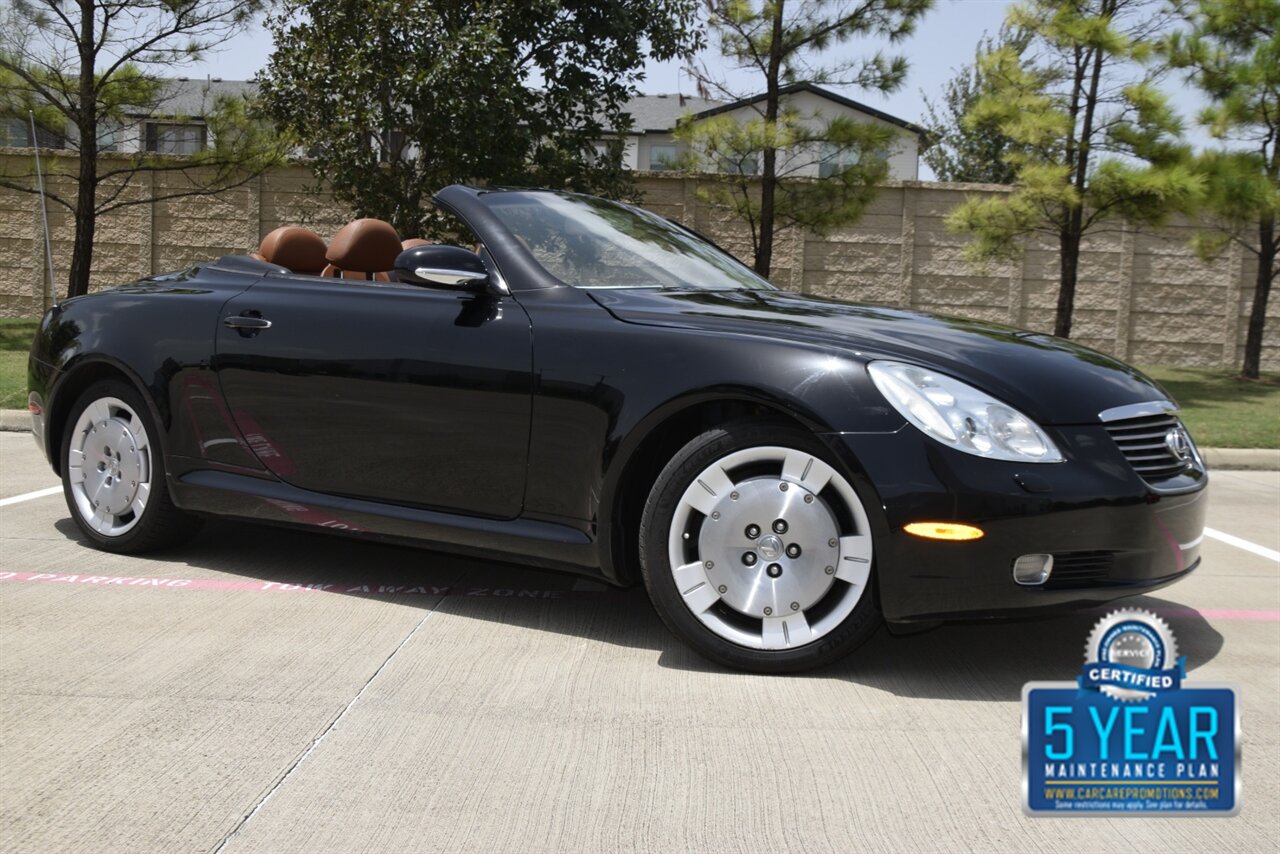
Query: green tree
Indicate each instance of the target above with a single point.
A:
(961, 152)
(1232, 53)
(88, 69)
(1094, 138)
(781, 44)
(395, 99)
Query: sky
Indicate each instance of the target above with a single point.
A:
(944, 40)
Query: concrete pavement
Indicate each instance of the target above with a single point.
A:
(200, 700)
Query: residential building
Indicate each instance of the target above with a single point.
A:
(177, 126)
(174, 125)
(652, 146)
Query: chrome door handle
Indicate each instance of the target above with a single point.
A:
(243, 321)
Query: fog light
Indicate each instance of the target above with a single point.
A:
(944, 531)
(1032, 569)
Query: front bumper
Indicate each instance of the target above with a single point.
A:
(39, 379)
(1111, 534)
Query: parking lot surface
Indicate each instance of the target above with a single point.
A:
(266, 690)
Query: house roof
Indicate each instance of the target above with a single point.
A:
(662, 112)
(193, 97)
(649, 113)
(814, 89)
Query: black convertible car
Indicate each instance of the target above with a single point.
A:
(592, 388)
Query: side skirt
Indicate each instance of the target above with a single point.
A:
(535, 543)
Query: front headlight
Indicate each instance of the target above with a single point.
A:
(959, 415)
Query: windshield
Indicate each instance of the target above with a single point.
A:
(592, 243)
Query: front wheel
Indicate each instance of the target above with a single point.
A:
(113, 473)
(757, 551)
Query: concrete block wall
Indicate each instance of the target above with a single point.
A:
(150, 237)
(1143, 296)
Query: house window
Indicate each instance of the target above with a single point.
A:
(167, 138)
(836, 159)
(110, 135)
(16, 133)
(741, 164)
(662, 157)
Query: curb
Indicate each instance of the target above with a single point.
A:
(15, 421)
(1234, 459)
(1223, 459)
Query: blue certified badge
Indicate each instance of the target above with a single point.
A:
(1128, 737)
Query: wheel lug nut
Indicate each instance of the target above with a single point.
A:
(774, 570)
(768, 611)
(782, 486)
(753, 531)
(733, 496)
(780, 526)
(710, 564)
(795, 606)
(832, 542)
(723, 588)
(808, 499)
(749, 558)
(716, 515)
(793, 550)
(831, 570)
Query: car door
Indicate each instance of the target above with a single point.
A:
(390, 392)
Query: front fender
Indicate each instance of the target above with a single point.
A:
(155, 333)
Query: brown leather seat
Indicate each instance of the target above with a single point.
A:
(298, 249)
(365, 249)
(414, 241)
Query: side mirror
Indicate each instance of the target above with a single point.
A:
(435, 265)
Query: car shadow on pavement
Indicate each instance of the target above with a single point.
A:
(973, 660)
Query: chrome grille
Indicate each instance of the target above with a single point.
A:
(1142, 441)
(1081, 569)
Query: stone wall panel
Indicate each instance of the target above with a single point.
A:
(1142, 295)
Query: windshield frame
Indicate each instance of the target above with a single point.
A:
(706, 252)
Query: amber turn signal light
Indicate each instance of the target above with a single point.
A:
(943, 531)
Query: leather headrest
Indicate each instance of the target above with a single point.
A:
(365, 246)
(299, 249)
(414, 241)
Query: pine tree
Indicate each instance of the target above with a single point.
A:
(960, 152)
(1232, 54)
(781, 43)
(1095, 138)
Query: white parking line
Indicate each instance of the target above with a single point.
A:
(1261, 551)
(27, 496)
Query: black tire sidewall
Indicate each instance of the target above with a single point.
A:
(656, 568)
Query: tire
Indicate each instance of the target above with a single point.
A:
(113, 473)
(757, 552)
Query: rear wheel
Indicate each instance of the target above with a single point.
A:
(757, 551)
(113, 473)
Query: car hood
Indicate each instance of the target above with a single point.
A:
(1053, 380)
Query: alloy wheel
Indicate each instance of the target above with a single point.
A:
(109, 466)
(770, 548)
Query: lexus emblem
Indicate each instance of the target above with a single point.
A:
(1178, 444)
